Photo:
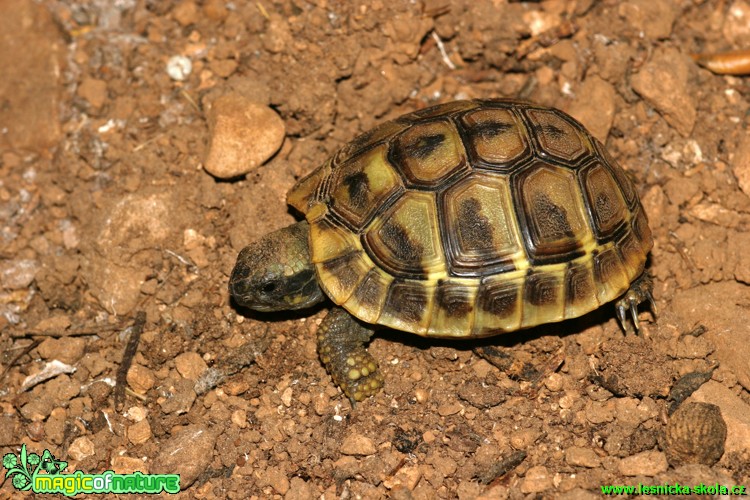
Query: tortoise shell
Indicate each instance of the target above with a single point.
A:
(473, 218)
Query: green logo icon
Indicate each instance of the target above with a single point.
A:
(45, 474)
(21, 471)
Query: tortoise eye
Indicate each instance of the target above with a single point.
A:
(268, 287)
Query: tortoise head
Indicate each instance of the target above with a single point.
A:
(275, 273)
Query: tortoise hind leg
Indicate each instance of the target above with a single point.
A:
(341, 347)
(639, 292)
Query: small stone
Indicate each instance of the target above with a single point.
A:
(523, 438)
(647, 463)
(695, 434)
(600, 412)
(180, 397)
(663, 83)
(736, 29)
(188, 452)
(18, 274)
(94, 91)
(407, 477)
(190, 365)
(136, 413)
(357, 444)
(554, 382)
(68, 350)
(448, 409)
(140, 379)
(186, 12)
(537, 479)
(582, 457)
(299, 489)
(654, 19)
(286, 396)
(244, 135)
(56, 323)
(239, 418)
(235, 387)
(215, 10)
(36, 431)
(122, 464)
(139, 432)
(741, 163)
(594, 106)
(277, 480)
(81, 448)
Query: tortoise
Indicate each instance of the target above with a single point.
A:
(462, 220)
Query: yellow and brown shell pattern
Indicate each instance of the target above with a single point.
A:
(473, 218)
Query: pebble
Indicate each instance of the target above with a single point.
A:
(407, 477)
(239, 418)
(647, 463)
(741, 163)
(56, 323)
(523, 438)
(94, 91)
(582, 457)
(600, 412)
(736, 29)
(190, 365)
(594, 106)
(276, 479)
(554, 382)
(110, 245)
(357, 444)
(140, 379)
(139, 432)
(244, 135)
(447, 409)
(122, 464)
(17, 274)
(181, 399)
(654, 19)
(68, 350)
(537, 479)
(81, 448)
(186, 12)
(662, 81)
(299, 489)
(727, 331)
(187, 452)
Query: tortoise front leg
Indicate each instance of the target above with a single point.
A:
(341, 347)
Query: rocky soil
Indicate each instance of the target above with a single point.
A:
(144, 143)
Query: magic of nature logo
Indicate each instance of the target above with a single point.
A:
(46, 474)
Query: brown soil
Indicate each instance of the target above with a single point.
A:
(112, 230)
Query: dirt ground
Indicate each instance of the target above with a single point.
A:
(114, 233)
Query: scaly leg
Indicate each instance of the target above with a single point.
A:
(639, 291)
(341, 347)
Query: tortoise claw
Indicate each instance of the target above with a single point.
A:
(639, 292)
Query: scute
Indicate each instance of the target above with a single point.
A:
(403, 248)
(481, 234)
(552, 213)
(496, 137)
(428, 153)
(473, 218)
(362, 185)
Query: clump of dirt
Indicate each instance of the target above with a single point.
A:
(108, 216)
